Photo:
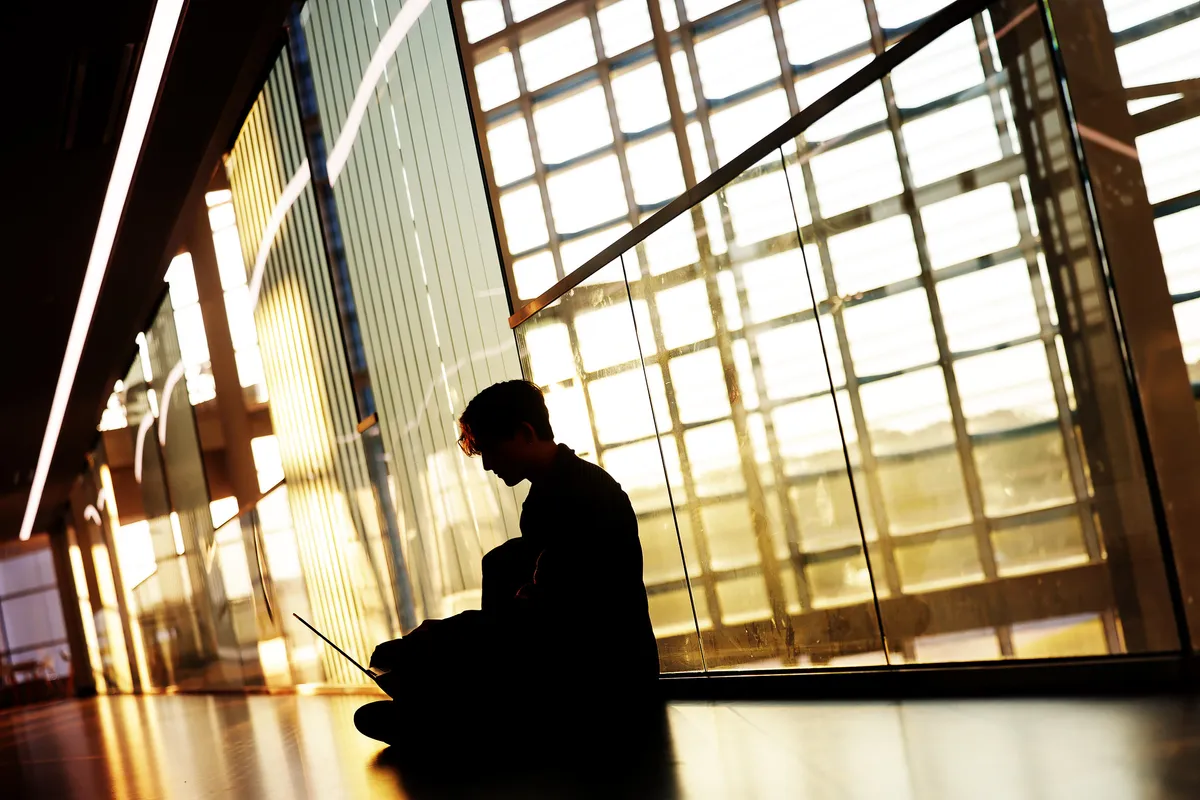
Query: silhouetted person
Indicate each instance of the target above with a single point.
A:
(564, 616)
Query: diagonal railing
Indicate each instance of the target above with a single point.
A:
(934, 27)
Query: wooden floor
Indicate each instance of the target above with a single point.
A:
(306, 746)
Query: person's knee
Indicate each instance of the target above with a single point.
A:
(376, 721)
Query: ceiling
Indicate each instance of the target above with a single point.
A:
(69, 70)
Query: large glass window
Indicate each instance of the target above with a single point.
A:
(33, 638)
(1160, 68)
(910, 319)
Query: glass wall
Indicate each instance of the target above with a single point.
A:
(1160, 72)
(378, 300)
(875, 358)
(33, 637)
(424, 274)
(865, 388)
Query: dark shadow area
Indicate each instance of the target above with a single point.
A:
(574, 752)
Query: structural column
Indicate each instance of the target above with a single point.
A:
(82, 678)
(1107, 139)
(231, 402)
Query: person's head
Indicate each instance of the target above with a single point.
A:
(508, 425)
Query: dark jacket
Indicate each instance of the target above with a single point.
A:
(572, 583)
(563, 600)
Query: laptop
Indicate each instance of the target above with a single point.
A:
(370, 672)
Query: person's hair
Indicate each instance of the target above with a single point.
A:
(497, 413)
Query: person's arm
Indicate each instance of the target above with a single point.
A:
(597, 549)
(506, 569)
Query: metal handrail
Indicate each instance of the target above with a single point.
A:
(935, 26)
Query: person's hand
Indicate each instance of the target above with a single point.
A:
(387, 655)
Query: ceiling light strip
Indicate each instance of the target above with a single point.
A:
(141, 106)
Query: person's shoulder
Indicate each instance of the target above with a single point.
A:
(583, 473)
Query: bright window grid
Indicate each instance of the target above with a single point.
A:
(743, 310)
(595, 188)
(28, 586)
(1170, 156)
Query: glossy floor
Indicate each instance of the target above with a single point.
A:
(306, 746)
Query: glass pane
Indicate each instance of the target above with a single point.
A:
(524, 219)
(482, 18)
(23, 571)
(573, 126)
(586, 196)
(640, 98)
(764, 483)
(562, 52)
(523, 9)
(624, 24)
(815, 29)
(496, 80)
(32, 619)
(1150, 101)
(860, 111)
(737, 58)
(963, 428)
(508, 146)
(608, 406)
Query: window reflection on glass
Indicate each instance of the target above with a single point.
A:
(975, 645)
(948, 560)
(1082, 635)
(743, 600)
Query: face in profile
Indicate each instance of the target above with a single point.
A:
(508, 459)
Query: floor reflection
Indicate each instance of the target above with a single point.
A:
(306, 746)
